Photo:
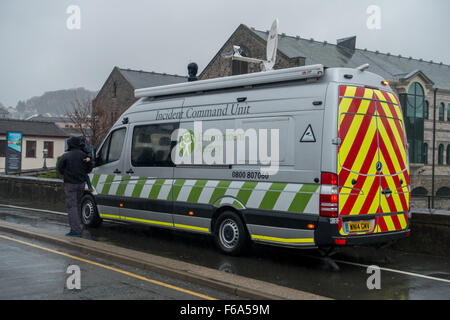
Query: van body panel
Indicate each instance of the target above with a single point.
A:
(329, 124)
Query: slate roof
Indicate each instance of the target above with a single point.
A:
(32, 128)
(391, 67)
(143, 79)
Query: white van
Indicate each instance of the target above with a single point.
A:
(342, 172)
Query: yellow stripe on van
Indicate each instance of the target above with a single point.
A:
(183, 226)
(111, 216)
(284, 240)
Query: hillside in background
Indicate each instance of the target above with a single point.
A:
(56, 103)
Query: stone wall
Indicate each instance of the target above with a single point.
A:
(254, 47)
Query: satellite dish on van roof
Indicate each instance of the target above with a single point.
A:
(271, 51)
(272, 46)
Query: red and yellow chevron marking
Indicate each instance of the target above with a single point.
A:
(395, 222)
(371, 130)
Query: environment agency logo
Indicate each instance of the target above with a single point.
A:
(187, 143)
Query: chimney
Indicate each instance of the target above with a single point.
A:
(347, 43)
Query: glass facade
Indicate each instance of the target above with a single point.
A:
(413, 105)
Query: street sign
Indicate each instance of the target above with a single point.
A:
(13, 160)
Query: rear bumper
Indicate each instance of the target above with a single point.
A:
(374, 238)
(327, 233)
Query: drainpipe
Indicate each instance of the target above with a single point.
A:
(434, 149)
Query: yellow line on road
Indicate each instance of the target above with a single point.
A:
(112, 269)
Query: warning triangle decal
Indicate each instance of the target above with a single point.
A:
(308, 136)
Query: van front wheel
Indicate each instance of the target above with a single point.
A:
(89, 213)
(230, 234)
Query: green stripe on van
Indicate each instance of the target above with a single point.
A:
(302, 198)
(196, 191)
(272, 195)
(107, 184)
(138, 187)
(156, 188)
(246, 191)
(95, 179)
(176, 188)
(123, 185)
(219, 191)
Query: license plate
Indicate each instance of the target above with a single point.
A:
(360, 226)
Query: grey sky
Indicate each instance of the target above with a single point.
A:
(38, 53)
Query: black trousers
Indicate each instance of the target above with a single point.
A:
(74, 192)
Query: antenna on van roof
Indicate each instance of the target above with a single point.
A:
(271, 51)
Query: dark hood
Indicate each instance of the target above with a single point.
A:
(73, 143)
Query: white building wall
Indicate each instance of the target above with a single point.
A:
(38, 161)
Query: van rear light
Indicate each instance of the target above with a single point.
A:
(339, 241)
(329, 178)
(328, 204)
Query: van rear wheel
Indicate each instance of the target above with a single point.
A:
(89, 213)
(230, 235)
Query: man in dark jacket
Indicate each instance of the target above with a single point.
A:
(74, 166)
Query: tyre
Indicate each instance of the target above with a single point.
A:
(89, 213)
(230, 234)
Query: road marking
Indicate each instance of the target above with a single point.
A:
(33, 209)
(133, 275)
(395, 271)
(339, 261)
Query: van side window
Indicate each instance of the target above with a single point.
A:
(112, 148)
(151, 146)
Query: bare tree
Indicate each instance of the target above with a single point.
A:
(81, 117)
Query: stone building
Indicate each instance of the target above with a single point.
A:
(117, 93)
(423, 88)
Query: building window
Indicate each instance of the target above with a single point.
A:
(448, 112)
(426, 110)
(448, 154)
(419, 192)
(49, 146)
(425, 153)
(441, 154)
(30, 149)
(413, 104)
(441, 111)
(114, 89)
(2, 148)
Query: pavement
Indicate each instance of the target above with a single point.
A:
(227, 283)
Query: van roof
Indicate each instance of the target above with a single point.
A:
(274, 76)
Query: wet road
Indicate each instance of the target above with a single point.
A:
(403, 275)
(35, 270)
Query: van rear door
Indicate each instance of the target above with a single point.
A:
(373, 172)
(394, 173)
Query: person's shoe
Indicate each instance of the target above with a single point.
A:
(72, 234)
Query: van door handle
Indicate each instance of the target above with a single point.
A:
(387, 192)
(129, 171)
(117, 171)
